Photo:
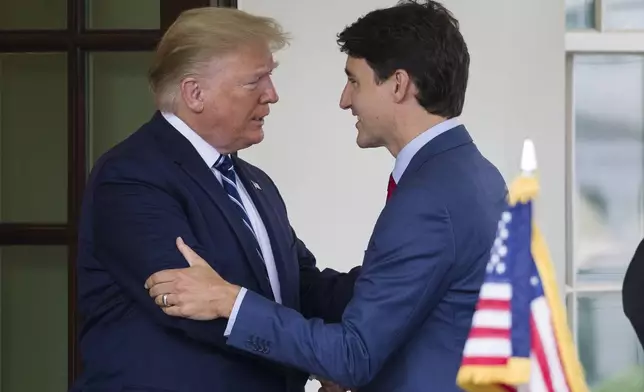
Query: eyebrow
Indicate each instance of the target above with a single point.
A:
(266, 70)
(349, 74)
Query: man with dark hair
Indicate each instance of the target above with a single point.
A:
(413, 303)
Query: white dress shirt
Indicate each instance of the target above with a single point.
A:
(210, 156)
(407, 153)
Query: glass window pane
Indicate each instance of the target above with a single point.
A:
(608, 163)
(33, 138)
(33, 318)
(623, 15)
(123, 14)
(580, 14)
(33, 14)
(120, 98)
(608, 347)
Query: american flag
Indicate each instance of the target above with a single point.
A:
(519, 340)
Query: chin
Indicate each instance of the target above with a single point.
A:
(365, 143)
(256, 137)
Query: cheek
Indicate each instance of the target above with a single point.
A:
(236, 109)
(234, 113)
(245, 106)
(363, 105)
(218, 108)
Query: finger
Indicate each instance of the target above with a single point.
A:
(171, 300)
(162, 288)
(174, 311)
(160, 277)
(191, 257)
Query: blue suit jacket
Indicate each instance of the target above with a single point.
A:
(141, 195)
(406, 326)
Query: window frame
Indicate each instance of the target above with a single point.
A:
(77, 41)
(598, 40)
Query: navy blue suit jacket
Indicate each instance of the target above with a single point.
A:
(141, 195)
(406, 326)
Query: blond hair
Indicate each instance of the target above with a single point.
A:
(200, 35)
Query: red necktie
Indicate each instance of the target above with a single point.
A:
(391, 187)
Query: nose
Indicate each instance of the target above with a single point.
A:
(345, 98)
(270, 95)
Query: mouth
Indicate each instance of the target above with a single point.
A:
(258, 119)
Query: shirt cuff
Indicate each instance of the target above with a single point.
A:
(233, 313)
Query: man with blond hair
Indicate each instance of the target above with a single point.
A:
(178, 176)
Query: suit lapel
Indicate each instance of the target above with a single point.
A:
(270, 220)
(191, 163)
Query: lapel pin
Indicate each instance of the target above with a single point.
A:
(256, 185)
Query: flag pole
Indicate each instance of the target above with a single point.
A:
(567, 351)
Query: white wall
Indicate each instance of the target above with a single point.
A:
(335, 191)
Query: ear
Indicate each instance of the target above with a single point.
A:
(192, 94)
(401, 85)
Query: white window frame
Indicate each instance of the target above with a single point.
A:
(597, 41)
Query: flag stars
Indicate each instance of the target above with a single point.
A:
(534, 281)
(503, 251)
(499, 251)
(506, 217)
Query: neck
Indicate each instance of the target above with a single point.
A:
(408, 128)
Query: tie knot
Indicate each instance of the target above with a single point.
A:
(224, 163)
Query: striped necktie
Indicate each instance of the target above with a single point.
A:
(224, 165)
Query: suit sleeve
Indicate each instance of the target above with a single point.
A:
(404, 276)
(633, 292)
(135, 225)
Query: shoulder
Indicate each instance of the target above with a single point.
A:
(457, 177)
(136, 157)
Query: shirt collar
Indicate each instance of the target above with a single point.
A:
(407, 153)
(207, 152)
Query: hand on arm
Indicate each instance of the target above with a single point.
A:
(405, 275)
(135, 224)
(196, 292)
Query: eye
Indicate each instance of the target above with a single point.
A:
(252, 85)
(258, 79)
